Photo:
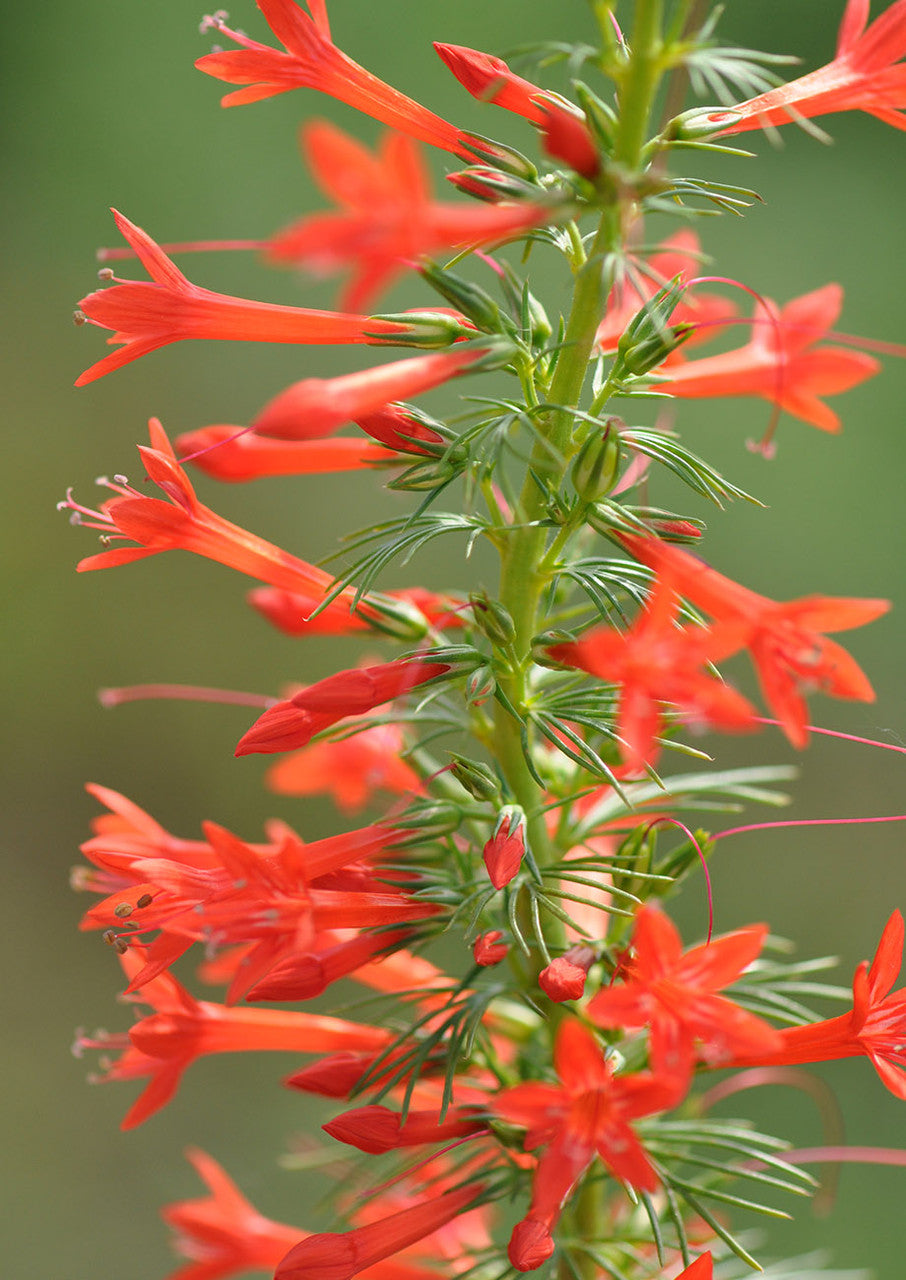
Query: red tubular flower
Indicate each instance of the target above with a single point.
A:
(564, 978)
(656, 662)
(662, 986)
(184, 522)
(309, 59)
(341, 1255)
(784, 640)
(317, 406)
(505, 850)
(294, 722)
(410, 611)
(387, 218)
(304, 975)
(236, 454)
(875, 1026)
(146, 315)
(378, 1129)
(589, 1112)
(489, 79)
(782, 363)
(182, 1029)
(677, 256)
(350, 770)
(863, 76)
(222, 1234)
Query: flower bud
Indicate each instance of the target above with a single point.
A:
(505, 850)
(480, 685)
(468, 298)
(546, 640)
(427, 330)
(504, 157)
(700, 122)
(600, 118)
(492, 185)
(597, 464)
(427, 475)
(564, 978)
(488, 949)
(649, 338)
(493, 619)
(478, 779)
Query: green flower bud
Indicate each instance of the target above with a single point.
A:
(596, 466)
(478, 779)
(492, 618)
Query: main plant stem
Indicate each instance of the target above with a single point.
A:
(522, 577)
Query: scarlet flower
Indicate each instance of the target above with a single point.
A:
(315, 407)
(302, 975)
(564, 978)
(663, 986)
(504, 852)
(409, 611)
(656, 662)
(182, 1029)
(677, 256)
(236, 454)
(784, 640)
(295, 721)
(146, 315)
(875, 1026)
(184, 522)
(589, 1112)
(341, 1255)
(863, 76)
(378, 1129)
(387, 219)
(782, 362)
(222, 1234)
(563, 127)
(350, 770)
(309, 59)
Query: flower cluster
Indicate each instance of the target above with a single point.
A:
(501, 743)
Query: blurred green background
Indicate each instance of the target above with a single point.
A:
(102, 107)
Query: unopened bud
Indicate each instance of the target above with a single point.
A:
(471, 300)
(505, 850)
(427, 330)
(700, 122)
(425, 476)
(488, 949)
(600, 118)
(492, 618)
(478, 779)
(564, 978)
(597, 464)
(492, 185)
(649, 337)
(503, 157)
(480, 686)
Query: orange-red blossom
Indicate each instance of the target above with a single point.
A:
(185, 523)
(145, 315)
(875, 1027)
(784, 640)
(865, 75)
(310, 59)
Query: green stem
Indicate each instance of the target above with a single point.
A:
(524, 573)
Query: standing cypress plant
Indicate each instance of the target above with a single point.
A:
(544, 1103)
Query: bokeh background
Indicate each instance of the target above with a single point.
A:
(101, 107)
